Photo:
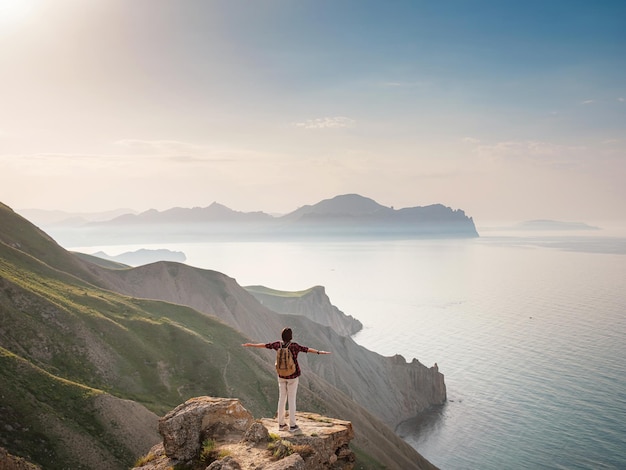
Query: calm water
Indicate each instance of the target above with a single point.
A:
(530, 332)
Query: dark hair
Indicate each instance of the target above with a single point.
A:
(286, 334)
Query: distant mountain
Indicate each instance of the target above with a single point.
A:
(144, 256)
(197, 215)
(354, 215)
(553, 225)
(44, 217)
(346, 216)
(348, 205)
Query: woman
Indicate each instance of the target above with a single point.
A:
(287, 386)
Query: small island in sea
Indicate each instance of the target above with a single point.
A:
(545, 224)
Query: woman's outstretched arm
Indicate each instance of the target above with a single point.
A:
(254, 345)
(317, 351)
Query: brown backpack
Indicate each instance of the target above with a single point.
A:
(285, 365)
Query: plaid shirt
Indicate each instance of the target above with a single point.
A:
(295, 348)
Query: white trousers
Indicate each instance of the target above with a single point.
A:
(287, 389)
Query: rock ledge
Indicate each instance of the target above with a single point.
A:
(220, 434)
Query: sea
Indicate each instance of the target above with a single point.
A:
(529, 329)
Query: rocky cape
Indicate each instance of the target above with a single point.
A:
(75, 335)
(345, 216)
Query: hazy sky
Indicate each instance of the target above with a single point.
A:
(509, 110)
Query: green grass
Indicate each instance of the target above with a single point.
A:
(364, 461)
(280, 449)
(141, 461)
(41, 403)
(277, 293)
(207, 451)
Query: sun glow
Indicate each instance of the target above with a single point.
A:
(12, 11)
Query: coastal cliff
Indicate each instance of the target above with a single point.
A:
(312, 303)
(390, 387)
(80, 360)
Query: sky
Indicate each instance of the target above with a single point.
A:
(508, 110)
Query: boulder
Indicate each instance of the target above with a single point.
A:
(238, 442)
(189, 424)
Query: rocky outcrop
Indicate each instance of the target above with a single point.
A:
(220, 434)
(11, 462)
(312, 303)
(188, 425)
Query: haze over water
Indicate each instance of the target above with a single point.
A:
(529, 331)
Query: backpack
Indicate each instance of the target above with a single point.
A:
(285, 365)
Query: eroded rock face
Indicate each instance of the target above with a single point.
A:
(186, 426)
(241, 443)
(313, 304)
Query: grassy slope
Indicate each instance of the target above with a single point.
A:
(105, 263)
(156, 353)
(19, 233)
(44, 410)
(142, 349)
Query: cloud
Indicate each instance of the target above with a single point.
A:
(159, 146)
(621, 100)
(471, 140)
(537, 151)
(327, 123)
(188, 153)
(55, 158)
(588, 102)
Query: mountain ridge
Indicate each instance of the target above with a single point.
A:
(348, 215)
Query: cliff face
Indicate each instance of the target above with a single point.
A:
(312, 303)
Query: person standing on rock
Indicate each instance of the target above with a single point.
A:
(287, 384)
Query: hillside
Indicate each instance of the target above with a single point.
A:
(389, 387)
(70, 347)
(50, 419)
